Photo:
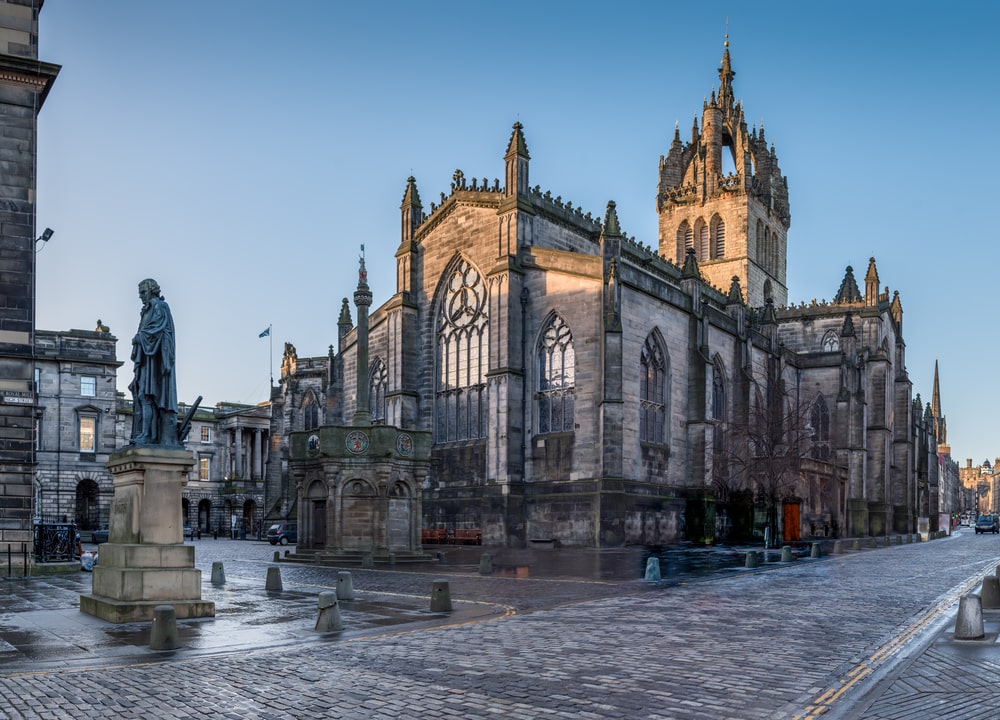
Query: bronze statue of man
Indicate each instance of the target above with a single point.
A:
(154, 387)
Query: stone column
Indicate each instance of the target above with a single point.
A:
(258, 472)
(238, 433)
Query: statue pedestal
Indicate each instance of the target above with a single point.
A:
(146, 563)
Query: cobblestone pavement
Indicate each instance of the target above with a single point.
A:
(862, 635)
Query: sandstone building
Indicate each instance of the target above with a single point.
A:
(579, 385)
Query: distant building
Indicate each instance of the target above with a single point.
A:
(585, 387)
(75, 376)
(82, 419)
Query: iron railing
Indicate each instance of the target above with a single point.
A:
(56, 542)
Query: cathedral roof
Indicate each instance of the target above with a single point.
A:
(849, 292)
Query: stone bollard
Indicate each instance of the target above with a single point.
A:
(273, 579)
(163, 633)
(345, 588)
(899, 539)
(786, 553)
(815, 552)
(752, 560)
(277, 555)
(368, 559)
(969, 623)
(328, 619)
(392, 559)
(653, 569)
(486, 564)
(218, 573)
(990, 594)
(857, 544)
(440, 596)
(838, 547)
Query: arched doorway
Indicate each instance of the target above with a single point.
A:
(88, 512)
(400, 517)
(316, 502)
(249, 527)
(205, 516)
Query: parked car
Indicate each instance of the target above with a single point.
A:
(98, 536)
(282, 533)
(988, 523)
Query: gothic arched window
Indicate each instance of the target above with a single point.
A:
(685, 241)
(718, 237)
(462, 355)
(831, 342)
(378, 381)
(701, 240)
(556, 377)
(310, 411)
(819, 421)
(652, 392)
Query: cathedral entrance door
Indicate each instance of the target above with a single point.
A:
(790, 522)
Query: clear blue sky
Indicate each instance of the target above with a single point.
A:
(241, 152)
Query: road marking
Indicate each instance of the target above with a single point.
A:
(824, 702)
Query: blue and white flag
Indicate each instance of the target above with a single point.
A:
(265, 333)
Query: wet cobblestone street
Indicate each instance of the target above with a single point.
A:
(734, 644)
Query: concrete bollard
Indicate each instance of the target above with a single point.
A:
(486, 564)
(328, 619)
(218, 573)
(786, 553)
(277, 555)
(653, 569)
(857, 544)
(392, 559)
(163, 633)
(838, 547)
(440, 596)
(815, 552)
(273, 582)
(752, 559)
(990, 594)
(969, 623)
(368, 559)
(345, 588)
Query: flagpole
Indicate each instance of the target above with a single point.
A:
(270, 354)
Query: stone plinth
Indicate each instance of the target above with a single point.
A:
(146, 563)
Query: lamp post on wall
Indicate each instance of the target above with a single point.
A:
(43, 238)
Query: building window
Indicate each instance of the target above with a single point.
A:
(88, 386)
(718, 237)
(38, 380)
(378, 380)
(462, 356)
(819, 422)
(203, 468)
(556, 378)
(88, 434)
(38, 433)
(701, 240)
(831, 343)
(206, 434)
(310, 412)
(652, 392)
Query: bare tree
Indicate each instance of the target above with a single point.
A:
(759, 453)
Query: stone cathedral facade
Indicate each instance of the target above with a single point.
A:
(578, 385)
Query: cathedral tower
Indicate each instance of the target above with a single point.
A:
(722, 194)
